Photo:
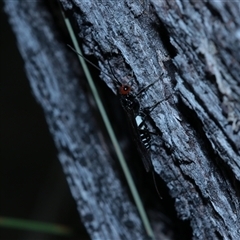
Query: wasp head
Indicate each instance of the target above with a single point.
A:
(124, 89)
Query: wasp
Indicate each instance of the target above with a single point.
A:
(136, 116)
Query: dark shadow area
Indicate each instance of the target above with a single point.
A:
(33, 185)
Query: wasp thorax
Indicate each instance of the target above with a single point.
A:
(129, 103)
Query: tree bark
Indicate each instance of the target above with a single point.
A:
(192, 51)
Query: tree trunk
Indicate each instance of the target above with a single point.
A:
(191, 52)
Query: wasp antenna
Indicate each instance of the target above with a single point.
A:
(88, 61)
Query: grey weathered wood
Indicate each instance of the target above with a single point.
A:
(197, 149)
(57, 83)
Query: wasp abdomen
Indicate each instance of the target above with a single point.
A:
(143, 131)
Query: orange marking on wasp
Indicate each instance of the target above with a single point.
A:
(124, 89)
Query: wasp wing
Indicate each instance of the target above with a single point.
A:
(143, 151)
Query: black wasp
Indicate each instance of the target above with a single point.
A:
(137, 117)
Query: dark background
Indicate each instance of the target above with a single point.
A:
(33, 186)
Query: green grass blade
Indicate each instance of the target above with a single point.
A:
(37, 226)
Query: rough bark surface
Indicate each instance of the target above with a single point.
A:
(197, 152)
(193, 49)
(53, 73)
